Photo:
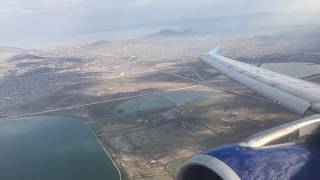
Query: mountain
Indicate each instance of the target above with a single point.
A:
(98, 44)
(24, 56)
(8, 52)
(226, 25)
(167, 33)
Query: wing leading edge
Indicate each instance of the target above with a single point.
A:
(294, 94)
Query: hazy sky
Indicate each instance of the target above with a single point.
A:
(43, 21)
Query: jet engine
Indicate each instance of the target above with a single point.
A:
(289, 151)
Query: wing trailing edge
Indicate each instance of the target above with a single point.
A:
(294, 94)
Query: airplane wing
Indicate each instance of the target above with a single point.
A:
(288, 151)
(294, 94)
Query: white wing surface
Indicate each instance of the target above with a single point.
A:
(294, 94)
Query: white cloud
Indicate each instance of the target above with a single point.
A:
(72, 16)
(306, 6)
(142, 2)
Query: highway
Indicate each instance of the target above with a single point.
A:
(95, 103)
(200, 83)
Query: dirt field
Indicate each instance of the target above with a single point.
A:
(151, 103)
(152, 143)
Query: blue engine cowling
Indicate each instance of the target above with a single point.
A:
(287, 161)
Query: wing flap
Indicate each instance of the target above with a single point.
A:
(295, 94)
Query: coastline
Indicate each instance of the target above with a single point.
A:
(84, 120)
(105, 150)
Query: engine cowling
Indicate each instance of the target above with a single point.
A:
(287, 161)
(288, 151)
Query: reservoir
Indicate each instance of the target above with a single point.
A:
(51, 148)
(162, 100)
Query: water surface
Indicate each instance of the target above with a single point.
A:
(162, 100)
(52, 148)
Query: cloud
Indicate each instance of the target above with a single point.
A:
(142, 2)
(53, 19)
(10, 9)
(307, 6)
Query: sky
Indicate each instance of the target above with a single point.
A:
(48, 21)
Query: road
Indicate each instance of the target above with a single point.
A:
(202, 82)
(98, 102)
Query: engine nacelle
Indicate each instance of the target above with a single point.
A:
(287, 161)
(288, 151)
(206, 167)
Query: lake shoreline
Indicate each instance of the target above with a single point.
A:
(70, 128)
(106, 151)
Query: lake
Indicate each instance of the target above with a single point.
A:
(161, 100)
(52, 148)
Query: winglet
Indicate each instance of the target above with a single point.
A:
(215, 51)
